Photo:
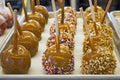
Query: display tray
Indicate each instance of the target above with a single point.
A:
(36, 71)
(115, 18)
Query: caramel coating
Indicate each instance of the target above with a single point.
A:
(34, 27)
(42, 10)
(98, 63)
(16, 63)
(58, 59)
(38, 17)
(29, 41)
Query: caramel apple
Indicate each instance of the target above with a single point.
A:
(29, 41)
(98, 15)
(101, 43)
(98, 63)
(58, 63)
(58, 58)
(62, 28)
(41, 9)
(68, 18)
(64, 38)
(34, 27)
(16, 62)
(68, 10)
(37, 16)
(65, 27)
(31, 25)
(15, 59)
(103, 30)
(98, 58)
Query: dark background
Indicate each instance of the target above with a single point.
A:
(79, 3)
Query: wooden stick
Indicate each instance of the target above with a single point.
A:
(57, 33)
(33, 6)
(62, 19)
(87, 30)
(53, 6)
(95, 5)
(24, 7)
(96, 29)
(15, 48)
(38, 2)
(56, 24)
(93, 17)
(18, 25)
(106, 10)
(92, 11)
